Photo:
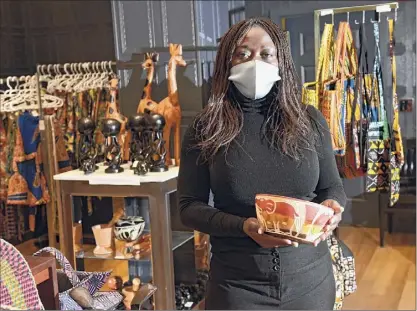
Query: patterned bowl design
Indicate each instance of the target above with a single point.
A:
(292, 219)
(129, 228)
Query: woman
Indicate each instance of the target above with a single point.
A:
(255, 136)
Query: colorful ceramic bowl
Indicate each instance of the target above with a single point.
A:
(294, 219)
(129, 228)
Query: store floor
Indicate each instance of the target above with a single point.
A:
(386, 276)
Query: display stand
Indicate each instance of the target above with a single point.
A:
(154, 186)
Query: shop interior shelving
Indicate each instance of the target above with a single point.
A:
(170, 262)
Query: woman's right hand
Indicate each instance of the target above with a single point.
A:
(255, 230)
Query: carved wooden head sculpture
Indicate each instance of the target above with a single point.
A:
(176, 54)
(150, 59)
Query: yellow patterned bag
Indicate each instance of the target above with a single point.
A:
(312, 91)
(338, 92)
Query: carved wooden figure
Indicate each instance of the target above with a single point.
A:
(113, 113)
(169, 107)
(146, 101)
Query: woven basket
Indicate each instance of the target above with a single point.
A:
(68, 279)
(17, 286)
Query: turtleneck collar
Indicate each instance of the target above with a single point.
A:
(250, 105)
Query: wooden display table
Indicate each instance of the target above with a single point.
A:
(154, 186)
(44, 272)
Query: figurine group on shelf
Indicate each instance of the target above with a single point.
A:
(147, 150)
(148, 143)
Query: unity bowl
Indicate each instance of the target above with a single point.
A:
(129, 228)
(293, 219)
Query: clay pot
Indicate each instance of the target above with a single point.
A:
(293, 219)
(77, 234)
(103, 234)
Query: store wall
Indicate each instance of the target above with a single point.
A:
(142, 25)
(362, 209)
(45, 32)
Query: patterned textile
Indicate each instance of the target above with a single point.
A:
(336, 93)
(312, 91)
(27, 185)
(3, 161)
(92, 281)
(17, 285)
(343, 270)
(397, 151)
(378, 177)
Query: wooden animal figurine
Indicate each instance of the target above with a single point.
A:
(112, 112)
(149, 65)
(169, 107)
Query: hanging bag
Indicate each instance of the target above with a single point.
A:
(312, 91)
(378, 140)
(336, 91)
(397, 151)
(352, 165)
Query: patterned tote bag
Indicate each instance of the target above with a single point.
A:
(397, 151)
(336, 91)
(378, 140)
(312, 91)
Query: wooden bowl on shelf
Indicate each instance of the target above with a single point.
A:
(293, 219)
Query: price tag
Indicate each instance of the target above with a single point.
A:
(41, 125)
(188, 304)
(326, 12)
(135, 164)
(383, 8)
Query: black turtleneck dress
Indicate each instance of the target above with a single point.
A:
(243, 275)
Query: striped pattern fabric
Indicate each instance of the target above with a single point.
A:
(17, 285)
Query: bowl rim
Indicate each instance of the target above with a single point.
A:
(317, 205)
(115, 227)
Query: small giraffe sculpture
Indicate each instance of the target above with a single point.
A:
(169, 107)
(113, 113)
(146, 101)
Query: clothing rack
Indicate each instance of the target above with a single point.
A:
(383, 7)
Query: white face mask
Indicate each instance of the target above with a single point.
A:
(254, 79)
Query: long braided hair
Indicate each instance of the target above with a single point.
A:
(287, 123)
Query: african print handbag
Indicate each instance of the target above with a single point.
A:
(343, 270)
(312, 91)
(336, 91)
(378, 140)
(397, 151)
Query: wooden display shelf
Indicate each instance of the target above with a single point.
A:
(179, 238)
(156, 187)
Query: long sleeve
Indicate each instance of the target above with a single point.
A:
(194, 191)
(330, 185)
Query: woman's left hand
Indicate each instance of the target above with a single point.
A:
(333, 222)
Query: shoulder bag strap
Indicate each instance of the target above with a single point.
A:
(397, 146)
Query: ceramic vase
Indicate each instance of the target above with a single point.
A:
(103, 234)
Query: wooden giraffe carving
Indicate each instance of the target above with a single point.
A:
(169, 107)
(113, 113)
(149, 65)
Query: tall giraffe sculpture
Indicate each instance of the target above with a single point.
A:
(169, 107)
(146, 101)
(112, 112)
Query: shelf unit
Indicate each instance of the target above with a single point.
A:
(179, 238)
(156, 187)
